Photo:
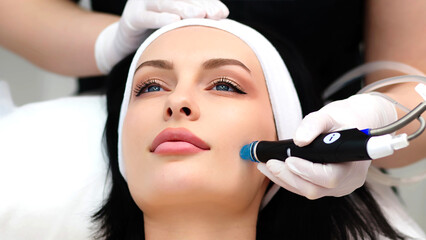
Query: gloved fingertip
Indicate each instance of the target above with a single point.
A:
(275, 166)
(292, 165)
(222, 15)
(261, 167)
(264, 170)
(223, 10)
(303, 137)
(219, 14)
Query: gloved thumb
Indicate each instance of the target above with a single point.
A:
(311, 126)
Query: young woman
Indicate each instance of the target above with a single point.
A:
(197, 91)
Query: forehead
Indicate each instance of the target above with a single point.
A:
(199, 43)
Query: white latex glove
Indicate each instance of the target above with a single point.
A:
(315, 180)
(121, 38)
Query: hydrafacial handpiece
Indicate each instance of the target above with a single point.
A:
(341, 146)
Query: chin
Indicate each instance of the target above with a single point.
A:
(193, 180)
(192, 191)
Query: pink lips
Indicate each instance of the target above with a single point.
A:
(177, 141)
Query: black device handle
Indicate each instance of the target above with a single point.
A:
(341, 146)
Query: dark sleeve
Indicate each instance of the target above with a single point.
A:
(109, 6)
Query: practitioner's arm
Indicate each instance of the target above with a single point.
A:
(56, 35)
(395, 30)
(61, 37)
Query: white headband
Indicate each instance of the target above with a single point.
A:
(282, 94)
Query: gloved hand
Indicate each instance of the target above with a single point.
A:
(121, 38)
(315, 180)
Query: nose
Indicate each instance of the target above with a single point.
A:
(181, 105)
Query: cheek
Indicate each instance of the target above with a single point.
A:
(235, 125)
(137, 132)
(242, 122)
(140, 121)
(135, 129)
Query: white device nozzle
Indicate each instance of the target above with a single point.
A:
(399, 141)
(382, 146)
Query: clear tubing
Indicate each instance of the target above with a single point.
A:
(379, 177)
(415, 113)
(399, 105)
(393, 80)
(366, 69)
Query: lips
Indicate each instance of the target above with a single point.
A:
(177, 141)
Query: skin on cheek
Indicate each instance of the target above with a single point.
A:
(236, 125)
(134, 146)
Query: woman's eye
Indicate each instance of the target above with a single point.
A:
(224, 87)
(148, 86)
(224, 84)
(153, 88)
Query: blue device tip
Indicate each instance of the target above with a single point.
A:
(245, 152)
(366, 131)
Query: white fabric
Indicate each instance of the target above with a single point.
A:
(282, 94)
(52, 171)
(6, 102)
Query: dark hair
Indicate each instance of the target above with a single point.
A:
(288, 215)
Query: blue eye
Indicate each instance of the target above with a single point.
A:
(223, 87)
(153, 88)
(226, 85)
(151, 85)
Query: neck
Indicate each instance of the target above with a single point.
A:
(201, 224)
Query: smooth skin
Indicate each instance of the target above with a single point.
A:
(211, 194)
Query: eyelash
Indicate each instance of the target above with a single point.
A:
(140, 87)
(229, 82)
(222, 80)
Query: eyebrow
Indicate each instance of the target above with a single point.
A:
(156, 63)
(219, 62)
(209, 64)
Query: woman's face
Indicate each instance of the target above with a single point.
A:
(198, 96)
